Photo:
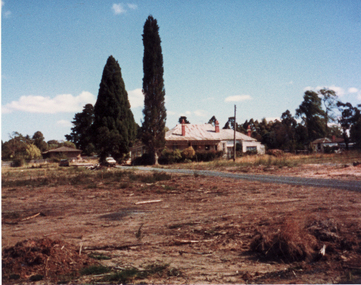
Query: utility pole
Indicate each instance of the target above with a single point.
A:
(234, 139)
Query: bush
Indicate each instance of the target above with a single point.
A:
(188, 153)
(170, 157)
(18, 162)
(145, 159)
(207, 155)
(330, 149)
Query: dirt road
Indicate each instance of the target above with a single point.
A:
(306, 181)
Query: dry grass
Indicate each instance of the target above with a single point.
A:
(291, 242)
(287, 159)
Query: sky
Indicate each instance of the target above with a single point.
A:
(258, 55)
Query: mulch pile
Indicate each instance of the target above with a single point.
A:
(42, 259)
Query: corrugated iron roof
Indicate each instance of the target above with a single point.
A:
(63, 149)
(203, 132)
(322, 140)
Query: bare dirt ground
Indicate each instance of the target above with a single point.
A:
(324, 171)
(202, 229)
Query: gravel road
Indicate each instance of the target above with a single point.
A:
(328, 183)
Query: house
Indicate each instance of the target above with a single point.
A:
(63, 151)
(320, 144)
(206, 137)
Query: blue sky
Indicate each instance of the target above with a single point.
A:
(258, 55)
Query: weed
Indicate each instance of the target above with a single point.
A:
(95, 270)
(132, 273)
(161, 176)
(139, 234)
(169, 188)
(123, 276)
(124, 185)
(99, 256)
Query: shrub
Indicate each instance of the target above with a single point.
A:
(170, 157)
(18, 162)
(207, 155)
(145, 159)
(188, 153)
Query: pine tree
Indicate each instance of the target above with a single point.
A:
(155, 115)
(114, 128)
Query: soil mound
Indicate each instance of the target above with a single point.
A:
(42, 259)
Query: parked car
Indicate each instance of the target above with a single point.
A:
(64, 162)
(110, 162)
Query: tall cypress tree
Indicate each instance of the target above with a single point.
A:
(114, 128)
(155, 115)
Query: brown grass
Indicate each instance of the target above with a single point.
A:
(291, 242)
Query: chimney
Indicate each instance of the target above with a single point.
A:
(217, 126)
(249, 132)
(183, 128)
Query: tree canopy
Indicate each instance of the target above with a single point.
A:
(311, 113)
(114, 128)
(81, 132)
(155, 115)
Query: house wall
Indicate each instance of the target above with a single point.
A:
(67, 154)
(197, 145)
(249, 146)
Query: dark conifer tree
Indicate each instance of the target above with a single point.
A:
(114, 128)
(155, 115)
(81, 132)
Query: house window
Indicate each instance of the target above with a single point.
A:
(251, 148)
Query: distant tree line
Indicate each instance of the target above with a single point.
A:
(319, 115)
(314, 118)
(20, 147)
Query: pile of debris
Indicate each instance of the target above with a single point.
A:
(42, 259)
(316, 239)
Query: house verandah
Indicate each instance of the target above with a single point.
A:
(205, 137)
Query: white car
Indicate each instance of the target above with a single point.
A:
(109, 161)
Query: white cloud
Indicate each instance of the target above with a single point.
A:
(359, 96)
(118, 9)
(238, 98)
(352, 90)
(338, 90)
(63, 103)
(64, 123)
(200, 113)
(132, 6)
(136, 98)
(7, 14)
(171, 113)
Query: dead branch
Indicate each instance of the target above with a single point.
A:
(183, 241)
(148, 202)
(112, 247)
(31, 217)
